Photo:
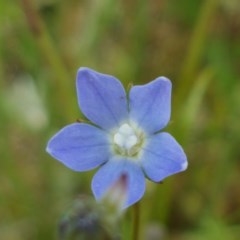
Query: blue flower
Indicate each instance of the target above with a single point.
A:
(125, 136)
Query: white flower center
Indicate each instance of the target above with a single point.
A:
(127, 141)
(125, 137)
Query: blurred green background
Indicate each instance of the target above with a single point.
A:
(195, 43)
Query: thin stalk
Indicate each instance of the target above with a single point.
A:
(136, 221)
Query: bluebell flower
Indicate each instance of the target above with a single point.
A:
(125, 136)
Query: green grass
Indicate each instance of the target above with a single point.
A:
(196, 45)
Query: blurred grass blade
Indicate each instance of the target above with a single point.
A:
(192, 106)
(194, 55)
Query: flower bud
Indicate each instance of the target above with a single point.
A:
(116, 196)
(86, 220)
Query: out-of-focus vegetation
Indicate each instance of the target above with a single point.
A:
(194, 43)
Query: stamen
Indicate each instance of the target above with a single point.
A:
(127, 141)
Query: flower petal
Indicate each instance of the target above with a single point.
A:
(80, 146)
(150, 104)
(101, 98)
(110, 172)
(163, 156)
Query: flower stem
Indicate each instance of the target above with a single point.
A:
(136, 221)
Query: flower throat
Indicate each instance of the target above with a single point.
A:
(127, 141)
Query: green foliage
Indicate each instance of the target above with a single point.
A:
(194, 43)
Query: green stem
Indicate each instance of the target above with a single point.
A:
(136, 221)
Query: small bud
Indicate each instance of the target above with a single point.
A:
(129, 86)
(116, 196)
(85, 220)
